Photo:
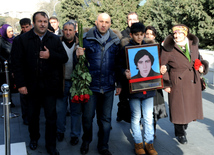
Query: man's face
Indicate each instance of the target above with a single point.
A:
(103, 23)
(133, 18)
(150, 34)
(9, 32)
(137, 37)
(68, 32)
(26, 28)
(41, 24)
(54, 23)
(144, 65)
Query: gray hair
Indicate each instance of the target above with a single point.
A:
(70, 23)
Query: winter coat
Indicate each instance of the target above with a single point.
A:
(126, 32)
(30, 70)
(5, 49)
(103, 60)
(185, 98)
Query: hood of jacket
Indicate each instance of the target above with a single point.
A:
(114, 34)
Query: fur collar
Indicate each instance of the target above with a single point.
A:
(126, 40)
(169, 42)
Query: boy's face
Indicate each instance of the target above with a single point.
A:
(137, 37)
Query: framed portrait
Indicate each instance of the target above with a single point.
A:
(143, 61)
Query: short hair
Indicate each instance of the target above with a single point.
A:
(137, 27)
(25, 21)
(53, 17)
(70, 23)
(154, 32)
(132, 13)
(140, 54)
(39, 12)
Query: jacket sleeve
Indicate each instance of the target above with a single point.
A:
(17, 62)
(164, 61)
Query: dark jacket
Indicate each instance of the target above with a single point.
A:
(33, 72)
(126, 32)
(124, 67)
(5, 49)
(103, 60)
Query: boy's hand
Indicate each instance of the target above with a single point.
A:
(128, 74)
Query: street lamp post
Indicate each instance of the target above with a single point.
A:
(54, 12)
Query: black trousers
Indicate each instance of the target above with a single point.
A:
(24, 106)
(35, 102)
(180, 129)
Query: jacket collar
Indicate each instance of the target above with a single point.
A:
(90, 35)
(33, 35)
(169, 43)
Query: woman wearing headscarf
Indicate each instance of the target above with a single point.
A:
(182, 81)
(6, 41)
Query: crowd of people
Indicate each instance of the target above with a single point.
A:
(42, 58)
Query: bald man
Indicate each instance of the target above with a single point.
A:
(102, 52)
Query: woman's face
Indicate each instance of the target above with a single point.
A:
(179, 36)
(9, 32)
(144, 65)
(150, 34)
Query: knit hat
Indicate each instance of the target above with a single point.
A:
(180, 28)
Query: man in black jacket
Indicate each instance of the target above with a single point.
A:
(132, 17)
(37, 65)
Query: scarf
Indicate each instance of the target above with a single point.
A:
(3, 32)
(102, 38)
(185, 44)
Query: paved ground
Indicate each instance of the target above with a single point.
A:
(200, 134)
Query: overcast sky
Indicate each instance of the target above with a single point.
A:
(19, 5)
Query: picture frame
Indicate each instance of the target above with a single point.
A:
(143, 61)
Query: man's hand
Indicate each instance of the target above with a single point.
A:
(168, 89)
(128, 74)
(163, 69)
(23, 90)
(80, 51)
(44, 54)
(118, 91)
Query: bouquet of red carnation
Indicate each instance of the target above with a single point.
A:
(197, 64)
(81, 78)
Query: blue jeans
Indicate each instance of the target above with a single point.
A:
(102, 103)
(75, 109)
(147, 108)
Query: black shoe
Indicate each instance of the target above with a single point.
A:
(182, 139)
(105, 152)
(53, 151)
(33, 144)
(59, 136)
(74, 141)
(84, 148)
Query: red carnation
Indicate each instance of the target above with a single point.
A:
(81, 98)
(86, 98)
(75, 99)
(197, 64)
